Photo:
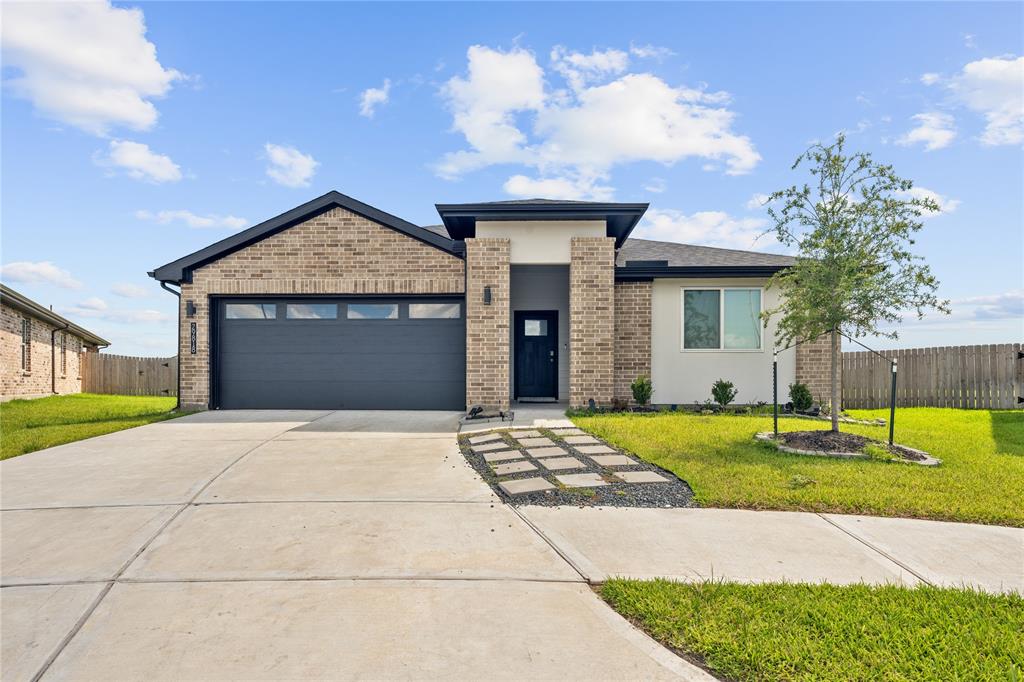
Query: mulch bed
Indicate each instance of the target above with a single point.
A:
(674, 493)
(828, 441)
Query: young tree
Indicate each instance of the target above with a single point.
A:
(853, 226)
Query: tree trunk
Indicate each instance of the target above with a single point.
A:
(836, 390)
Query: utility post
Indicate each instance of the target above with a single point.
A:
(775, 391)
(892, 402)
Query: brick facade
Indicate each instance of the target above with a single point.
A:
(814, 368)
(336, 252)
(487, 326)
(591, 320)
(37, 380)
(632, 336)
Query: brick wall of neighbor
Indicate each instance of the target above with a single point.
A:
(487, 326)
(36, 382)
(632, 336)
(814, 368)
(336, 252)
(591, 320)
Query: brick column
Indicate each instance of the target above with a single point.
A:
(487, 326)
(814, 368)
(591, 320)
(632, 336)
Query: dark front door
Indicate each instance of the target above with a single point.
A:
(536, 351)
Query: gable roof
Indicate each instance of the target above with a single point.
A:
(19, 301)
(181, 270)
(647, 258)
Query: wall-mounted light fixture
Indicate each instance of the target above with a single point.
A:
(487, 295)
(190, 309)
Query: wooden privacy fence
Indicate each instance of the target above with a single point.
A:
(978, 377)
(127, 375)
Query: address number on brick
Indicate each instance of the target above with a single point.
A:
(192, 338)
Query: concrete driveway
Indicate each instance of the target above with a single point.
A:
(283, 544)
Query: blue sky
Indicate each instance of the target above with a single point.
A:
(135, 134)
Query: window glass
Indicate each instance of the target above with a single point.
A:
(443, 311)
(536, 327)
(742, 325)
(701, 318)
(311, 311)
(373, 311)
(250, 311)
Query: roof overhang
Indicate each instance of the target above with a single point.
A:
(12, 298)
(641, 273)
(181, 270)
(620, 219)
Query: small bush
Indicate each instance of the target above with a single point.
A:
(642, 390)
(723, 392)
(801, 396)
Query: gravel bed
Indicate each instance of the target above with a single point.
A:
(674, 493)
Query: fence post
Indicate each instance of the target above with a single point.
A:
(892, 402)
(775, 392)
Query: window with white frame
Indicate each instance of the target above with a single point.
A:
(63, 354)
(721, 318)
(26, 344)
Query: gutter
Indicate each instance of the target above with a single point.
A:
(177, 354)
(53, 356)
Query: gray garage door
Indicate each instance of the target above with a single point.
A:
(338, 353)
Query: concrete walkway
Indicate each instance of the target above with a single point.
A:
(290, 545)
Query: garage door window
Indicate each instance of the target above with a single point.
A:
(372, 311)
(435, 311)
(250, 311)
(311, 311)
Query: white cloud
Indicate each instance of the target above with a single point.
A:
(757, 201)
(650, 52)
(578, 135)
(994, 88)
(557, 188)
(90, 310)
(655, 185)
(126, 290)
(969, 42)
(87, 64)
(1007, 305)
(930, 78)
(288, 166)
(43, 272)
(93, 303)
(710, 228)
(371, 98)
(193, 220)
(935, 130)
(946, 205)
(140, 162)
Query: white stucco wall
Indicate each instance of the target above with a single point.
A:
(685, 377)
(537, 242)
(542, 287)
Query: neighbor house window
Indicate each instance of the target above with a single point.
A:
(311, 311)
(442, 311)
(373, 311)
(26, 344)
(722, 319)
(250, 311)
(63, 354)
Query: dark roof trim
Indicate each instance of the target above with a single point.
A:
(181, 269)
(646, 273)
(12, 298)
(461, 219)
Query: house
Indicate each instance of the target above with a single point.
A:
(42, 351)
(336, 304)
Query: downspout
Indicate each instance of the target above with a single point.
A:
(163, 285)
(53, 356)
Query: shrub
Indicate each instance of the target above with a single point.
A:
(642, 389)
(723, 392)
(801, 396)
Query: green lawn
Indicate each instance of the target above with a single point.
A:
(828, 632)
(981, 478)
(27, 425)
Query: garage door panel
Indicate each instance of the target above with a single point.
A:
(341, 363)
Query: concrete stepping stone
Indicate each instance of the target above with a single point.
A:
(640, 477)
(581, 480)
(561, 463)
(525, 434)
(512, 468)
(476, 440)
(537, 453)
(490, 447)
(581, 440)
(595, 449)
(569, 432)
(613, 460)
(525, 485)
(535, 442)
(502, 455)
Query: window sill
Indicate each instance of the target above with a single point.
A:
(721, 350)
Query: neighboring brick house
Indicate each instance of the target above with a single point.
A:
(338, 305)
(42, 351)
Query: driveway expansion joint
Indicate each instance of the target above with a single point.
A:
(873, 548)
